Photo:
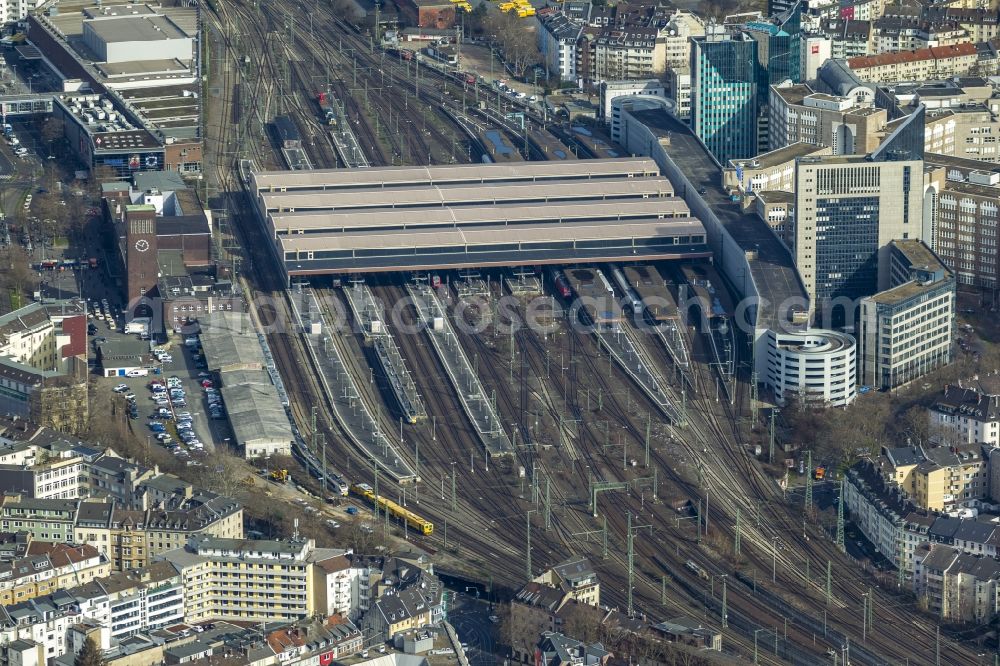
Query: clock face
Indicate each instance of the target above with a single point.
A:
(142, 245)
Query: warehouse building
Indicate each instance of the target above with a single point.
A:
(346, 221)
(256, 414)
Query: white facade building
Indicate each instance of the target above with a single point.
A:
(611, 90)
(679, 90)
(557, 41)
(968, 414)
(906, 331)
(680, 29)
(816, 365)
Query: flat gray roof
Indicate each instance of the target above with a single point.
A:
(128, 28)
(773, 269)
(256, 414)
(494, 234)
(464, 193)
(394, 176)
(779, 156)
(384, 219)
(223, 348)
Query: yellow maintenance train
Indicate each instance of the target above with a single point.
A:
(425, 527)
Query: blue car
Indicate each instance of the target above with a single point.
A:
(157, 427)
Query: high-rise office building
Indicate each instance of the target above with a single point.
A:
(848, 209)
(725, 76)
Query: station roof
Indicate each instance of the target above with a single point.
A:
(465, 193)
(494, 234)
(384, 219)
(424, 175)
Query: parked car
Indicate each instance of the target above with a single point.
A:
(121, 388)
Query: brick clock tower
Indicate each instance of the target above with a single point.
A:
(140, 252)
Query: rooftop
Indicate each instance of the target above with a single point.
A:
(256, 414)
(129, 28)
(780, 156)
(382, 177)
(771, 265)
(905, 292)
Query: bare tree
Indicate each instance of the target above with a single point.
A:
(515, 38)
(16, 270)
(226, 474)
(53, 130)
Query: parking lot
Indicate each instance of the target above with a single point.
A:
(179, 371)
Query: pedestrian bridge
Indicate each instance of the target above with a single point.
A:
(23, 105)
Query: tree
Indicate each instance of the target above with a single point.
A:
(518, 43)
(913, 424)
(89, 654)
(53, 130)
(16, 270)
(228, 473)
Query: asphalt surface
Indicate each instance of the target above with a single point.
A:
(471, 618)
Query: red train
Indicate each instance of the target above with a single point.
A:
(560, 283)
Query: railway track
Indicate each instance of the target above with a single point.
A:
(445, 447)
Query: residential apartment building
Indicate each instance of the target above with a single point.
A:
(43, 366)
(936, 62)
(45, 519)
(886, 515)
(967, 413)
(253, 581)
(558, 36)
(681, 27)
(898, 33)
(964, 200)
(849, 38)
(54, 471)
(38, 627)
(633, 52)
(576, 579)
(311, 641)
(129, 538)
(47, 567)
(937, 478)
(906, 330)
(799, 114)
(957, 586)
(848, 209)
(138, 600)
(393, 614)
(724, 94)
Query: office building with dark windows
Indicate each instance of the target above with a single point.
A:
(848, 210)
